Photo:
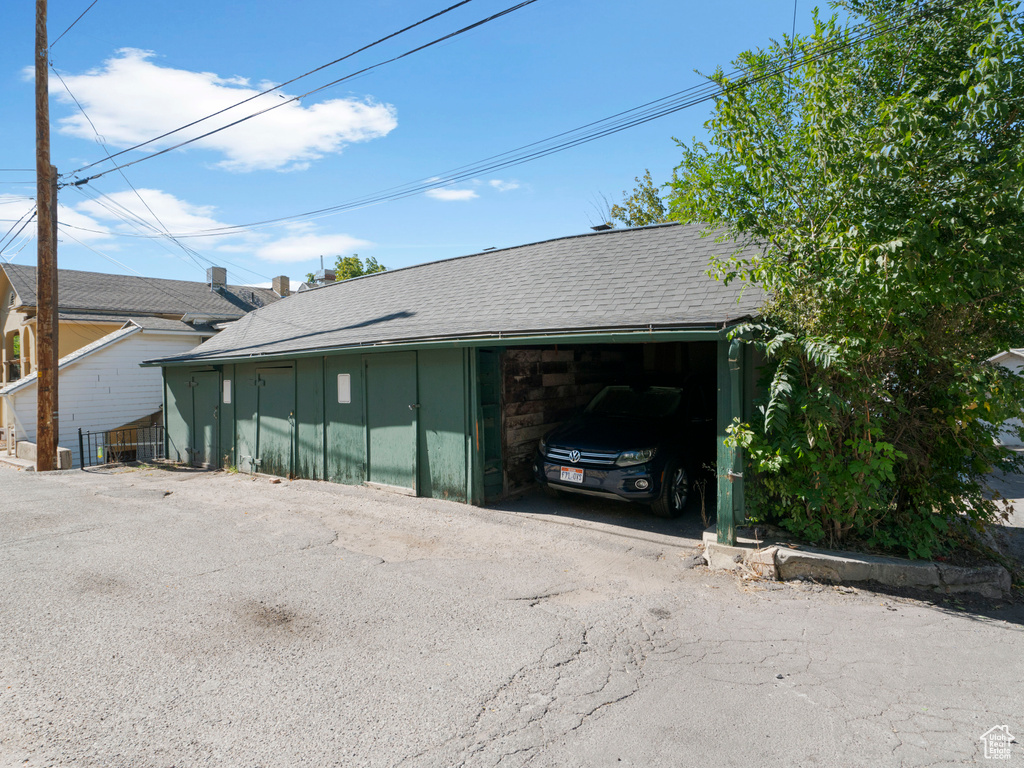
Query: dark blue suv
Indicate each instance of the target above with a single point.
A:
(643, 444)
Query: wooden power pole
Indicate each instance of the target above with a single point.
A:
(47, 426)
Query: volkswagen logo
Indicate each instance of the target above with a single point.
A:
(574, 456)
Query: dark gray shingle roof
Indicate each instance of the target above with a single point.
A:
(635, 278)
(138, 295)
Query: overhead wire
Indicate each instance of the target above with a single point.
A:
(157, 284)
(4, 242)
(281, 85)
(293, 99)
(130, 216)
(121, 212)
(103, 146)
(588, 132)
(73, 23)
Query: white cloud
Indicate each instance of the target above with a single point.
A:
(162, 210)
(306, 246)
(503, 186)
(81, 226)
(447, 194)
(130, 100)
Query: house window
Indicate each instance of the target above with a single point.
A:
(344, 388)
(227, 391)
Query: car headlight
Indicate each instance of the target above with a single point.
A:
(632, 458)
(543, 447)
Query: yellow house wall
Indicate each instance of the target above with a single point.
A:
(74, 336)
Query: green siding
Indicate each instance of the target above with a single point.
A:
(309, 383)
(346, 434)
(391, 418)
(245, 416)
(178, 420)
(442, 424)
(489, 372)
(205, 417)
(275, 438)
(228, 453)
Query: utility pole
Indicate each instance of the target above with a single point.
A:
(47, 426)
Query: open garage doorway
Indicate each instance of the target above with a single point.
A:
(544, 386)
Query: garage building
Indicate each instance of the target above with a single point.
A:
(439, 379)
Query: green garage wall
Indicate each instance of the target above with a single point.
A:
(329, 439)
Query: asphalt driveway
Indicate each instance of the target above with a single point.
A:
(156, 618)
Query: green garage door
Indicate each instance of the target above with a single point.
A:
(205, 404)
(391, 407)
(275, 425)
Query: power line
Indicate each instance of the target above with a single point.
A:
(159, 285)
(129, 217)
(29, 215)
(190, 252)
(597, 129)
(73, 23)
(281, 85)
(99, 140)
(288, 101)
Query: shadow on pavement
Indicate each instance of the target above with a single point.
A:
(635, 517)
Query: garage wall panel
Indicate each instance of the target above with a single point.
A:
(228, 454)
(442, 424)
(179, 413)
(310, 415)
(346, 431)
(245, 415)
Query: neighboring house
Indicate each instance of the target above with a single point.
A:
(1013, 359)
(439, 379)
(108, 324)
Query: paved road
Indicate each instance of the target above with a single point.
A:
(158, 619)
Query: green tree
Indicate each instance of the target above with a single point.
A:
(16, 348)
(884, 176)
(641, 207)
(346, 267)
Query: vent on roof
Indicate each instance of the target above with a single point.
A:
(216, 277)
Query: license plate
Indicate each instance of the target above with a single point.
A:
(571, 475)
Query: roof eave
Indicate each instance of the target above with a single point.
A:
(706, 331)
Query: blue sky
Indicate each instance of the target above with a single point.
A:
(140, 69)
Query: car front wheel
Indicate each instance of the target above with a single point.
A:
(675, 492)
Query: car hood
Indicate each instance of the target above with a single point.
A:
(607, 434)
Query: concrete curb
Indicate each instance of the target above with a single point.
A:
(790, 562)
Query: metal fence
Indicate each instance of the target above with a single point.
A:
(117, 446)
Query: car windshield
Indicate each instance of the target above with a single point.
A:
(627, 402)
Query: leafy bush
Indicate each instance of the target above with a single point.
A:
(883, 174)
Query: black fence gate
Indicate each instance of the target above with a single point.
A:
(117, 446)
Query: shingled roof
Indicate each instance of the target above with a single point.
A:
(650, 278)
(126, 295)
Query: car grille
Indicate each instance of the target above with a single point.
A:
(599, 458)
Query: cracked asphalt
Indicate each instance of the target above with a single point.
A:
(175, 619)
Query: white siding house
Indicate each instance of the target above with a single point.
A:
(102, 386)
(1014, 360)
